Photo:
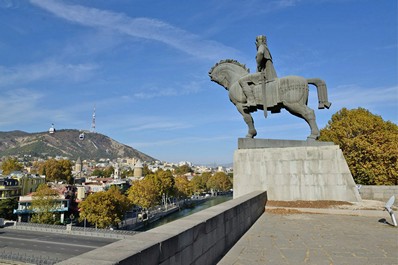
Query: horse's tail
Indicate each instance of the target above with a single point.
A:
(322, 92)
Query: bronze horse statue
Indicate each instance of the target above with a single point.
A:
(290, 92)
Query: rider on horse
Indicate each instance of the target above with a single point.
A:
(265, 71)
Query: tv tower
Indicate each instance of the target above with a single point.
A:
(93, 121)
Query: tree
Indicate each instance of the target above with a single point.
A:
(144, 193)
(98, 173)
(56, 170)
(7, 207)
(182, 186)
(44, 203)
(104, 208)
(181, 170)
(146, 170)
(108, 171)
(219, 181)
(10, 164)
(127, 173)
(199, 182)
(369, 145)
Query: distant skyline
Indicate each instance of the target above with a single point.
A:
(144, 66)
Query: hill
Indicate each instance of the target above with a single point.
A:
(67, 143)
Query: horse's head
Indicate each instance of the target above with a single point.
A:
(227, 72)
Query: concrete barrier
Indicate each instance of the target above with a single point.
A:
(379, 193)
(201, 238)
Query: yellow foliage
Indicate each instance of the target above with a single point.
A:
(104, 208)
(369, 144)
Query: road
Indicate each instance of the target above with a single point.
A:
(42, 247)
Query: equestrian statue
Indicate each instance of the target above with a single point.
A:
(265, 91)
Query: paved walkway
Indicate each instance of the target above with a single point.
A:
(330, 239)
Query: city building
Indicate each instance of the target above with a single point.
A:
(9, 188)
(25, 211)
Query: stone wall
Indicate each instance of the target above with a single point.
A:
(201, 238)
(379, 193)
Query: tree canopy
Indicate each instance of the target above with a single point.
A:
(10, 164)
(104, 208)
(181, 170)
(144, 193)
(44, 202)
(56, 170)
(199, 182)
(369, 144)
(7, 207)
(183, 186)
(148, 192)
(219, 182)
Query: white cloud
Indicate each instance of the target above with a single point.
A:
(145, 28)
(159, 125)
(152, 91)
(353, 96)
(18, 106)
(39, 71)
(181, 140)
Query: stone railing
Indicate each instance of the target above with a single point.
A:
(73, 230)
(201, 238)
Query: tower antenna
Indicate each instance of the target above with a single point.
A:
(93, 121)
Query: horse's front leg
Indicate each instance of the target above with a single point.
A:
(247, 117)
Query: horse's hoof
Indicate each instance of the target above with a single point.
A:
(312, 138)
(250, 136)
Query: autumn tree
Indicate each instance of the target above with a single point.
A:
(183, 186)
(104, 208)
(164, 182)
(199, 182)
(144, 193)
(56, 170)
(219, 182)
(10, 164)
(369, 145)
(44, 203)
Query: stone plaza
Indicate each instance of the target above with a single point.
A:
(330, 237)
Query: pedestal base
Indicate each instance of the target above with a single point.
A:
(293, 170)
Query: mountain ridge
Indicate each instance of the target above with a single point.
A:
(69, 143)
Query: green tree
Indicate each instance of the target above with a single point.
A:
(105, 208)
(44, 203)
(10, 164)
(127, 173)
(7, 207)
(108, 171)
(98, 173)
(144, 193)
(181, 170)
(369, 145)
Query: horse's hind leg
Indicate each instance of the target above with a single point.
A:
(249, 121)
(306, 113)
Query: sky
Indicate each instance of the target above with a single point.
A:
(144, 66)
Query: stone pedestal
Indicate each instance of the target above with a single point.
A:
(293, 170)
